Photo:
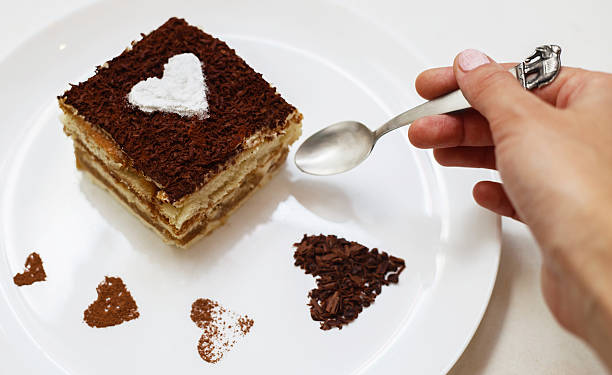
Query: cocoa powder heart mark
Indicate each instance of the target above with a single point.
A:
(33, 272)
(221, 327)
(113, 306)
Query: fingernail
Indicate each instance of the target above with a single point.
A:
(471, 59)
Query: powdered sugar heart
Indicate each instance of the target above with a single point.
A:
(181, 89)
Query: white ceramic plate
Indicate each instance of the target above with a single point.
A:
(332, 65)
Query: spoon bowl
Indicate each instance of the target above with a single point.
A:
(335, 149)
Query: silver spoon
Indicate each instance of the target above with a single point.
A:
(344, 145)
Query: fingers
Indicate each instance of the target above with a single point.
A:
(471, 157)
(438, 81)
(435, 82)
(558, 93)
(491, 195)
(492, 90)
(467, 128)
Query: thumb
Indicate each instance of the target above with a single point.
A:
(491, 89)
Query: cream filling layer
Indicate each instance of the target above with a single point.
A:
(215, 189)
(260, 146)
(213, 218)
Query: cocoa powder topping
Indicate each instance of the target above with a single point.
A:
(179, 153)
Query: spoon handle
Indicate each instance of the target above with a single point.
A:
(537, 70)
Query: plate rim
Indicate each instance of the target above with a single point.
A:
(22, 49)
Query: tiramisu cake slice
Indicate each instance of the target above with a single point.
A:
(180, 129)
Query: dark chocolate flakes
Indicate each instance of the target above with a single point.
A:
(349, 277)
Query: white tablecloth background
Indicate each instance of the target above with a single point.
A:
(518, 334)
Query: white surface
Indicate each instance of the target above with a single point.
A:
(518, 335)
(409, 207)
(181, 89)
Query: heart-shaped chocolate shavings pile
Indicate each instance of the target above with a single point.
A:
(33, 272)
(114, 305)
(349, 277)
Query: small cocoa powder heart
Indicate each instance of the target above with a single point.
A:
(33, 272)
(113, 306)
(221, 328)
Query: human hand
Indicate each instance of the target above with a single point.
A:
(552, 148)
